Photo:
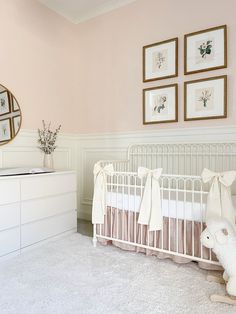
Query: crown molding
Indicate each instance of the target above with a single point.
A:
(105, 8)
(96, 11)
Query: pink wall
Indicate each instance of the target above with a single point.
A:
(110, 69)
(37, 61)
(89, 76)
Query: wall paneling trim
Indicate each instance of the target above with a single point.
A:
(80, 151)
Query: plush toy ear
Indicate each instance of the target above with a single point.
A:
(222, 236)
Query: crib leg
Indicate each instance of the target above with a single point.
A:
(94, 241)
(94, 236)
(223, 299)
(215, 278)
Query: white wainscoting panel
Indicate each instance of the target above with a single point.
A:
(95, 147)
(80, 152)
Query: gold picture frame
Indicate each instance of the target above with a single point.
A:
(205, 98)
(160, 104)
(205, 50)
(160, 60)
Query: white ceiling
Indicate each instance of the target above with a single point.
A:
(81, 10)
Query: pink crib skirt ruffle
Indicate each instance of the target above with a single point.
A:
(123, 225)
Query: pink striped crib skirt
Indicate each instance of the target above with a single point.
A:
(123, 225)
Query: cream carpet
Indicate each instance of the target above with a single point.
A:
(68, 275)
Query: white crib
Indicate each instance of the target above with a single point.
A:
(183, 198)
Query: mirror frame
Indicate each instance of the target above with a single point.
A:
(11, 121)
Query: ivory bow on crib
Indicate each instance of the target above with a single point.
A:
(150, 208)
(100, 189)
(219, 202)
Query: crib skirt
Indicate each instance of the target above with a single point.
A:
(123, 225)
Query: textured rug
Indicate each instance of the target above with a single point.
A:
(68, 275)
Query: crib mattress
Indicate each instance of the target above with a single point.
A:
(181, 209)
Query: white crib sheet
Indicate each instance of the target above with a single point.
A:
(170, 208)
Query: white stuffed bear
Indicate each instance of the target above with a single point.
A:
(220, 236)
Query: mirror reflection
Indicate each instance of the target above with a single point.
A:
(10, 116)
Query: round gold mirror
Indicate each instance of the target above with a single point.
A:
(10, 116)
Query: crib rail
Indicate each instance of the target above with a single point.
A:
(183, 158)
(119, 165)
(183, 200)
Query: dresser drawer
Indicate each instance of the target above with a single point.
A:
(9, 241)
(36, 209)
(9, 191)
(9, 216)
(46, 185)
(40, 230)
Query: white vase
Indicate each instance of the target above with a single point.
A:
(48, 161)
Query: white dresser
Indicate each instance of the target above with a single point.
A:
(36, 207)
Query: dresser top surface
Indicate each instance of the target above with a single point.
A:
(24, 175)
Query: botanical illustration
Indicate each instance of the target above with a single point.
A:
(5, 131)
(204, 51)
(160, 104)
(159, 60)
(205, 48)
(17, 123)
(204, 99)
(4, 103)
(15, 104)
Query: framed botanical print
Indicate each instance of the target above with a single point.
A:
(205, 99)
(160, 104)
(5, 130)
(15, 106)
(16, 124)
(4, 103)
(160, 60)
(205, 50)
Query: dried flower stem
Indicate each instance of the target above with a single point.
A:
(47, 138)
